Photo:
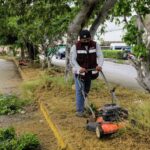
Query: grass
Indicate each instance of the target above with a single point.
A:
(120, 61)
(47, 80)
(59, 98)
(140, 116)
(53, 81)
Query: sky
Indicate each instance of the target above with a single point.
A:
(113, 32)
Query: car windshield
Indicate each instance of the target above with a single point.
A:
(61, 49)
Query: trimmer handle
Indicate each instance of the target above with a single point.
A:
(113, 90)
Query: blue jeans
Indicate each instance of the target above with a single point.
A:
(85, 84)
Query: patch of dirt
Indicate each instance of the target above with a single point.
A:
(30, 73)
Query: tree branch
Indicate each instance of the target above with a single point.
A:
(125, 19)
(102, 15)
(82, 16)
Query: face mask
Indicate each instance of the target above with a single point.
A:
(85, 41)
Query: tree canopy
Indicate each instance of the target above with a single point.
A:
(30, 23)
(37, 21)
(34, 22)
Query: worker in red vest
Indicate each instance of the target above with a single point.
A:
(86, 61)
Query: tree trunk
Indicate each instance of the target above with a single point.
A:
(143, 66)
(143, 73)
(32, 50)
(146, 23)
(108, 5)
(22, 53)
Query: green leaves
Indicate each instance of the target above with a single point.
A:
(10, 104)
(7, 134)
(38, 21)
(123, 7)
(132, 37)
(28, 142)
(33, 21)
(10, 141)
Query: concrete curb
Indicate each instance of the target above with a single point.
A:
(63, 145)
(19, 69)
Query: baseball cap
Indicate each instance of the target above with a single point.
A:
(84, 34)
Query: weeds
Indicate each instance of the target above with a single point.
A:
(29, 87)
(140, 116)
(10, 104)
(98, 85)
(28, 142)
(7, 134)
(10, 141)
(46, 82)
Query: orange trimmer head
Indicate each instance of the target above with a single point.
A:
(109, 120)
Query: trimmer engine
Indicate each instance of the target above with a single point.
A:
(112, 112)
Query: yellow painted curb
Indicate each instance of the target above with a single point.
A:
(55, 130)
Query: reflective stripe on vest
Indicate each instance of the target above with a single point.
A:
(94, 72)
(92, 51)
(82, 52)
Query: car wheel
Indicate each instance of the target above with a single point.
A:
(98, 131)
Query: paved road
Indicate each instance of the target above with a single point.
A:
(121, 74)
(9, 76)
(124, 75)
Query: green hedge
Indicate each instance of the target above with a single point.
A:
(116, 54)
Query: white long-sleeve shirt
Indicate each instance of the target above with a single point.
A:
(73, 58)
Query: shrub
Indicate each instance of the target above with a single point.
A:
(9, 140)
(10, 104)
(7, 134)
(8, 145)
(28, 142)
(116, 54)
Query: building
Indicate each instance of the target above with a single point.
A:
(113, 34)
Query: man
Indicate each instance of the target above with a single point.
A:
(86, 61)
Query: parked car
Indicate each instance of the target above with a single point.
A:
(117, 46)
(58, 51)
(126, 51)
(60, 54)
